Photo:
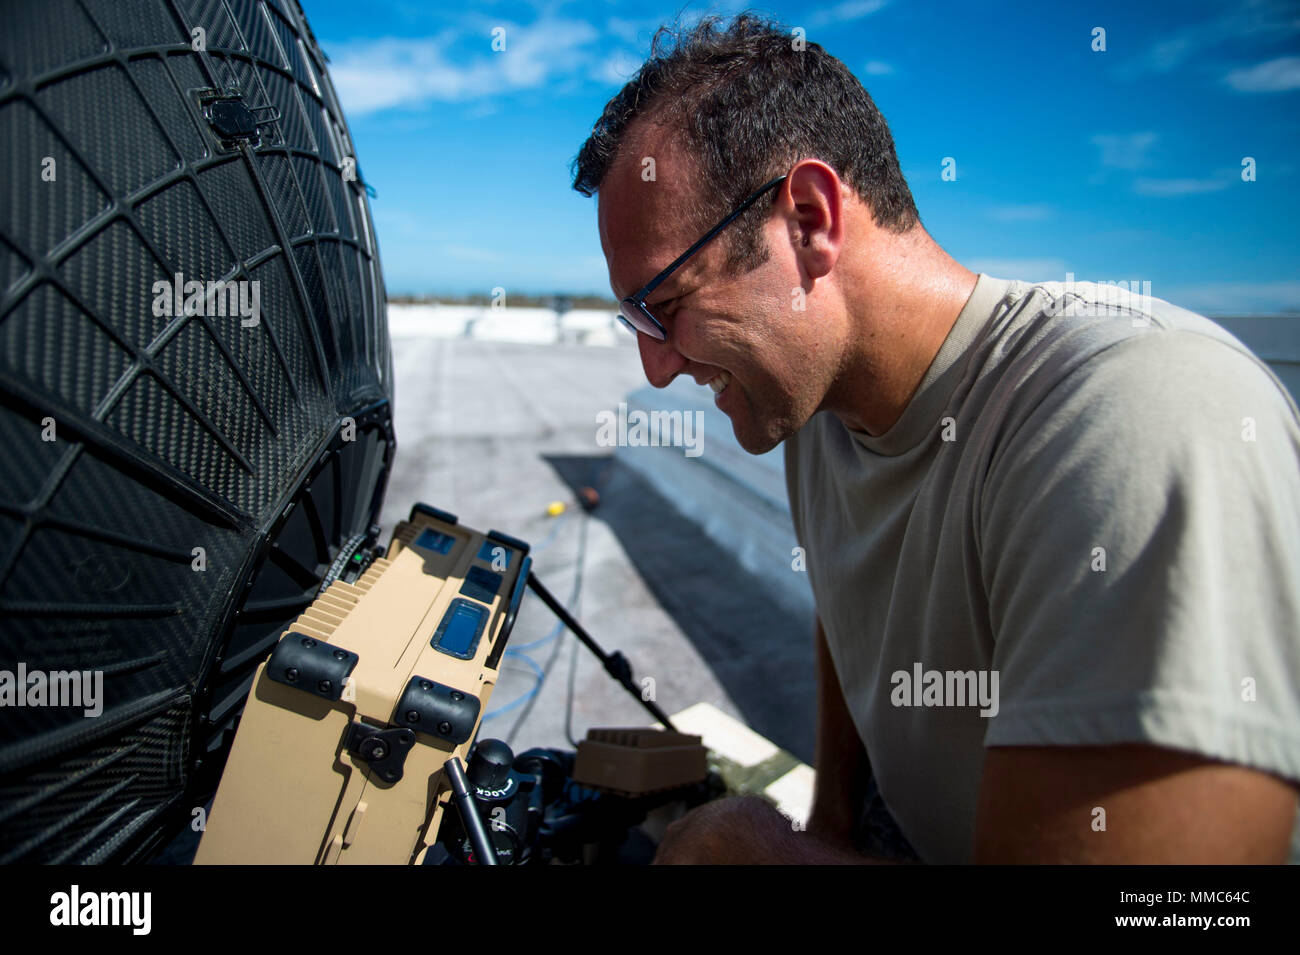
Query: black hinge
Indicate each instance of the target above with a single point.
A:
(437, 709)
(384, 749)
(312, 665)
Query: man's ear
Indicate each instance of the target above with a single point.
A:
(815, 214)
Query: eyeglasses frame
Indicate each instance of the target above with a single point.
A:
(633, 307)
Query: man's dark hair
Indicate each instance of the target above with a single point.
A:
(750, 104)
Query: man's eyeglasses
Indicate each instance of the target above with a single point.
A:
(632, 310)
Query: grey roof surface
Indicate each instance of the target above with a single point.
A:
(494, 432)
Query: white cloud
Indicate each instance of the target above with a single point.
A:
(639, 30)
(534, 53)
(1178, 187)
(846, 11)
(458, 66)
(616, 69)
(1035, 212)
(1243, 21)
(1125, 151)
(877, 68)
(1273, 76)
(1029, 270)
(391, 73)
(1167, 54)
(631, 30)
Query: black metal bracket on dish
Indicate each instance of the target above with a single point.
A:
(232, 120)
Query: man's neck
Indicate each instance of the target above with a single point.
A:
(912, 296)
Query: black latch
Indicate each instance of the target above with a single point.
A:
(384, 749)
(315, 666)
(441, 711)
(233, 120)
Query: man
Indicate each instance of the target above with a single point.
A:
(1054, 539)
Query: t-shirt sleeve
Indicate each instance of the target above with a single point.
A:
(1139, 538)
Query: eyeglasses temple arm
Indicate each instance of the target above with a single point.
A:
(707, 237)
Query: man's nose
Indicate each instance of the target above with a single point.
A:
(660, 360)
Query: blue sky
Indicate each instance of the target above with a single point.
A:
(1117, 165)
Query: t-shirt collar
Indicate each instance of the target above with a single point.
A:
(929, 401)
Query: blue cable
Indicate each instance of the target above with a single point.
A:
(538, 673)
(551, 535)
(517, 652)
(555, 632)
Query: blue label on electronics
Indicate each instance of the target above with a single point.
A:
(435, 541)
(481, 584)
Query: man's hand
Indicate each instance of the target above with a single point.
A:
(1157, 806)
(745, 830)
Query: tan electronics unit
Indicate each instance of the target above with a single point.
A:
(340, 751)
(634, 762)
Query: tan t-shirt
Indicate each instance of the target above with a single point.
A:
(1085, 525)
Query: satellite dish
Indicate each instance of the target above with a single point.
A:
(182, 464)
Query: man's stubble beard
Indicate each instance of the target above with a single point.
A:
(764, 432)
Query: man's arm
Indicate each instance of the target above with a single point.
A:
(748, 830)
(841, 759)
(1157, 806)
(1137, 552)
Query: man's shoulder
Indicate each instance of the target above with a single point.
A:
(1103, 415)
(1112, 343)
(1099, 314)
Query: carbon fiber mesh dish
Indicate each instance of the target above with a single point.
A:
(129, 438)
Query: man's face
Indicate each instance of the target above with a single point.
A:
(742, 330)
